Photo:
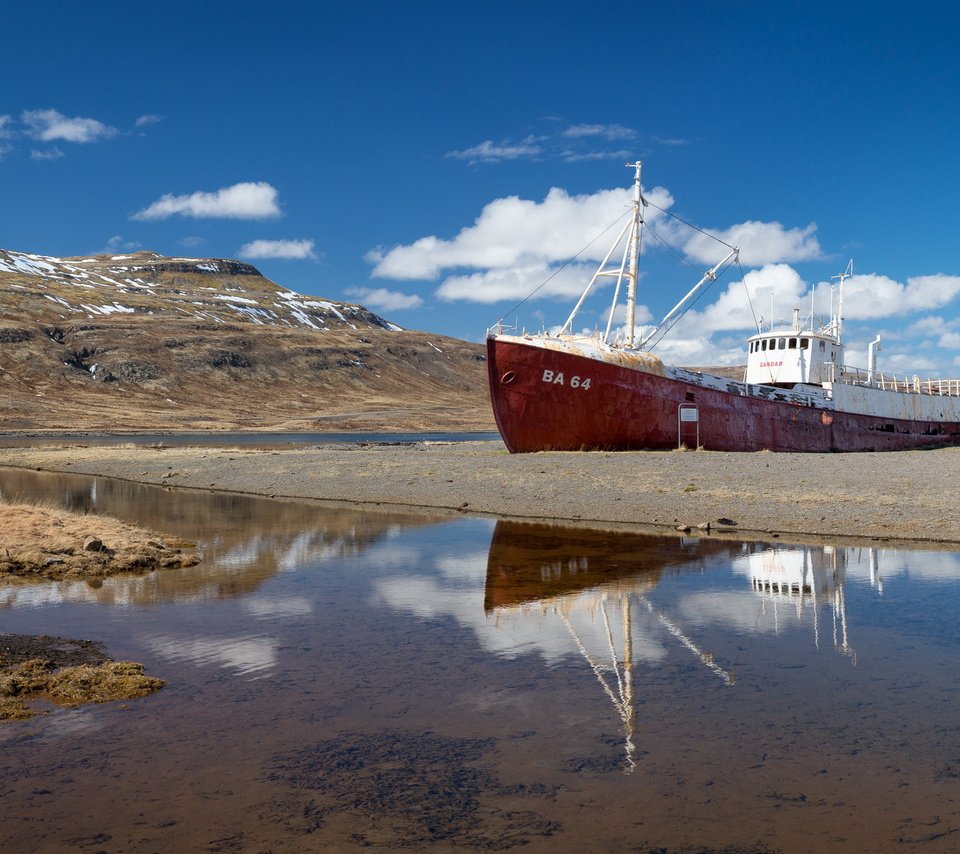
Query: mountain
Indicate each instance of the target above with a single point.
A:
(147, 342)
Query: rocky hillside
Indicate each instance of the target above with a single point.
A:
(145, 342)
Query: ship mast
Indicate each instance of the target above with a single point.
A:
(838, 317)
(627, 269)
(634, 253)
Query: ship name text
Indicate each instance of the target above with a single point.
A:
(556, 378)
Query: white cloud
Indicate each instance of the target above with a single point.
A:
(776, 287)
(950, 341)
(898, 363)
(249, 200)
(48, 125)
(760, 243)
(148, 119)
(871, 296)
(509, 283)
(5, 130)
(117, 244)
(47, 154)
(291, 249)
(929, 326)
(516, 232)
(569, 156)
(491, 152)
(604, 131)
(386, 300)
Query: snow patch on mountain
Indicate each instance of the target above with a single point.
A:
(216, 289)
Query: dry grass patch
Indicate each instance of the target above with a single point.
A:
(45, 542)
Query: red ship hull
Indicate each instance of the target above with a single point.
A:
(602, 405)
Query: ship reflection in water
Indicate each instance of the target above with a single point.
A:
(595, 585)
(346, 679)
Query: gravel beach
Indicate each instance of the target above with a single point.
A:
(902, 496)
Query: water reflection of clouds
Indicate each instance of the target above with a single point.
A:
(269, 607)
(248, 655)
(508, 633)
(742, 611)
(61, 723)
(929, 566)
(285, 553)
(33, 595)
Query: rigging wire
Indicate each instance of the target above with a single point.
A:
(690, 224)
(662, 333)
(746, 290)
(565, 264)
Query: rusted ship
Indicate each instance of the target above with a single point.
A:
(568, 392)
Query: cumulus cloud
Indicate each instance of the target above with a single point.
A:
(386, 300)
(873, 296)
(491, 152)
(715, 335)
(514, 232)
(49, 125)
(249, 200)
(760, 243)
(775, 287)
(287, 249)
(507, 283)
(147, 119)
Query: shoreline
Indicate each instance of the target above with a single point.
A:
(896, 497)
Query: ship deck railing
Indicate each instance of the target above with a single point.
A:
(904, 384)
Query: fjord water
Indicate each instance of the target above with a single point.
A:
(342, 678)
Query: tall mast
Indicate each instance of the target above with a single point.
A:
(838, 318)
(634, 253)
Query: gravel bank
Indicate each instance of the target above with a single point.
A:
(908, 495)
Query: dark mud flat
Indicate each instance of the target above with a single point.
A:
(62, 652)
(341, 679)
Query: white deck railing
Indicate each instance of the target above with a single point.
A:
(891, 382)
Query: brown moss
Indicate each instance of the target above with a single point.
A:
(40, 678)
(112, 680)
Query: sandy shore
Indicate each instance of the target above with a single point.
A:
(910, 495)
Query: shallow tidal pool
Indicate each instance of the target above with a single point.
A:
(343, 679)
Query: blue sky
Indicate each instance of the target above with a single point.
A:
(436, 161)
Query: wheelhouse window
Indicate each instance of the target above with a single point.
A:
(782, 344)
(804, 343)
(793, 344)
(763, 344)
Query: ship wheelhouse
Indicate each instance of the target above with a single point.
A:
(789, 357)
